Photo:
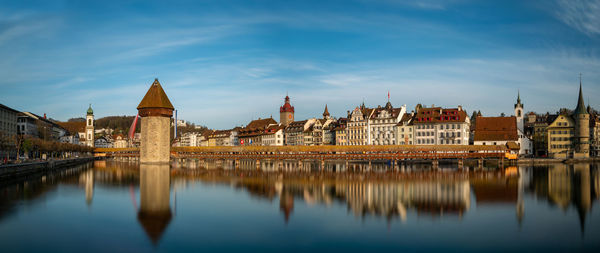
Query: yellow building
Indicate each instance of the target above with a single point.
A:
(569, 134)
(560, 136)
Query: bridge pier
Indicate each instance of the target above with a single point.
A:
(461, 163)
(257, 164)
(435, 164)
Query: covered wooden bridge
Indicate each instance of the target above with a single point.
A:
(365, 152)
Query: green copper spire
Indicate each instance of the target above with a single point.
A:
(580, 103)
(90, 111)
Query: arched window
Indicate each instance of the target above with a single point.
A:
(518, 113)
(89, 122)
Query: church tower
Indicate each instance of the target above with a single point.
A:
(286, 112)
(519, 112)
(582, 127)
(89, 127)
(326, 114)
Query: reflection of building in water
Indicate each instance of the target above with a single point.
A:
(568, 186)
(390, 199)
(286, 205)
(381, 194)
(87, 180)
(155, 211)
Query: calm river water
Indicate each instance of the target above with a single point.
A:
(302, 206)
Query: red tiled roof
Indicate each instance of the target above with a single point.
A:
(496, 129)
(438, 114)
(287, 107)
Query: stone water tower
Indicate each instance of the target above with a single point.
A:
(156, 111)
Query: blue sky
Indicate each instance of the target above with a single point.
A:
(223, 63)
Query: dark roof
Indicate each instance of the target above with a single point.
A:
(155, 98)
(405, 120)
(393, 111)
(326, 112)
(580, 103)
(8, 108)
(261, 123)
(496, 129)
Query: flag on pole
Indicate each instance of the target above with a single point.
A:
(132, 127)
(388, 95)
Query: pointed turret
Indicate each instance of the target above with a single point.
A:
(582, 127)
(580, 103)
(518, 104)
(156, 111)
(155, 101)
(326, 112)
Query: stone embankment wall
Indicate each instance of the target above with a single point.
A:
(12, 171)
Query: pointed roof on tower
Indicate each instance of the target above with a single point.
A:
(580, 103)
(326, 112)
(518, 104)
(155, 98)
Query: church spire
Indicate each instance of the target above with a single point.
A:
(580, 103)
(518, 104)
(326, 112)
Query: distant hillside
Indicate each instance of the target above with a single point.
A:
(121, 124)
(117, 123)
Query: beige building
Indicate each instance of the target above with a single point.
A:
(382, 124)
(294, 132)
(251, 135)
(441, 126)
(223, 138)
(273, 136)
(357, 129)
(405, 130)
(341, 137)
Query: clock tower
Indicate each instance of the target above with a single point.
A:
(286, 112)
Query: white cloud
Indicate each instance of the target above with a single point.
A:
(583, 15)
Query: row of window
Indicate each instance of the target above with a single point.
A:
(432, 141)
(441, 126)
(562, 132)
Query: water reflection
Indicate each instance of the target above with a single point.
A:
(402, 192)
(155, 211)
(568, 186)
(378, 191)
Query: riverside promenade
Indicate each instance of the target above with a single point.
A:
(13, 171)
